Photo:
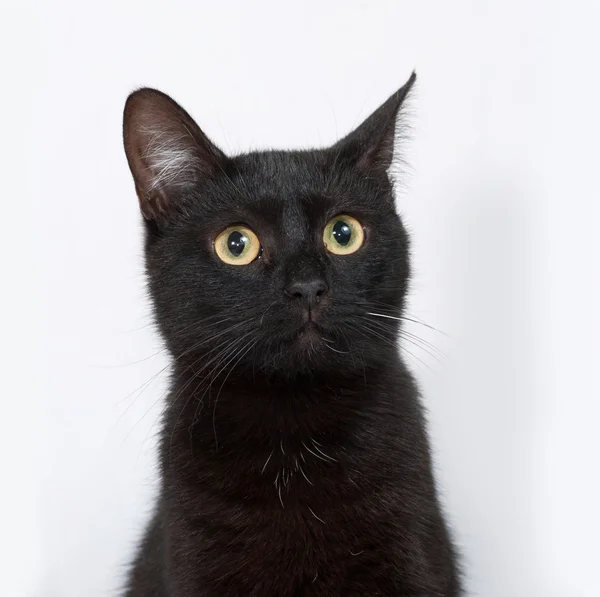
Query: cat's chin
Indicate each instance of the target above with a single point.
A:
(314, 348)
(303, 351)
(306, 341)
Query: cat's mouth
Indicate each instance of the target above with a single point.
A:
(310, 333)
(310, 327)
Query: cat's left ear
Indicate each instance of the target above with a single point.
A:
(370, 147)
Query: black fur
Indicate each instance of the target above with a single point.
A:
(294, 456)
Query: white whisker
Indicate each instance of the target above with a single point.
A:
(267, 462)
(386, 316)
(333, 349)
(326, 459)
(302, 473)
(321, 452)
(319, 519)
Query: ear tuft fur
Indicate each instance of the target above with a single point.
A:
(166, 150)
(370, 147)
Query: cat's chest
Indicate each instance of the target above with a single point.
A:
(290, 519)
(301, 548)
(306, 471)
(307, 494)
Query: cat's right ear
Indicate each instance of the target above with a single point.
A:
(166, 150)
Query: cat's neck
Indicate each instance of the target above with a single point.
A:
(279, 439)
(255, 411)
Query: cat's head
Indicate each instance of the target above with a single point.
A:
(271, 259)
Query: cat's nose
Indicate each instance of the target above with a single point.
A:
(309, 289)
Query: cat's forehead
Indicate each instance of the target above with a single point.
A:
(300, 182)
(286, 173)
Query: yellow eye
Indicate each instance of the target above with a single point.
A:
(237, 245)
(343, 235)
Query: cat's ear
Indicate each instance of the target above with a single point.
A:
(370, 147)
(166, 150)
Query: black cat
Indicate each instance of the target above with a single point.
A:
(294, 456)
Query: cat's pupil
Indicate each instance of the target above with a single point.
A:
(342, 232)
(236, 243)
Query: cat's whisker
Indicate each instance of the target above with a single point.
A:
(386, 316)
(351, 352)
(324, 457)
(131, 363)
(148, 381)
(219, 357)
(429, 348)
(391, 342)
(319, 519)
(304, 475)
(175, 359)
(248, 348)
(265, 312)
(266, 463)
(216, 361)
(156, 375)
(190, 367)
(334, 349)
(141, 389)
(413, 339)
(314, 443)
(403, 317)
